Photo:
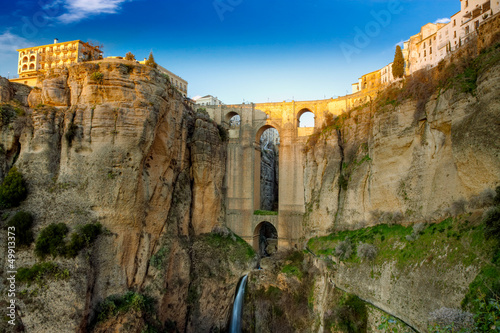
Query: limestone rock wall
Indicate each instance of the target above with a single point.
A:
(113, 142)
(392, 165)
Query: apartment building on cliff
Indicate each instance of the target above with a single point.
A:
(35, 60)
(436, 40)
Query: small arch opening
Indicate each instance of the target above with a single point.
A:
(306, 118)
(25, 67)
(265, 239)
(32, 58)
(32, 66)
(233, 119)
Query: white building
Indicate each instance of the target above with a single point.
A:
(435, 41)
(208, 100)
(386, 76)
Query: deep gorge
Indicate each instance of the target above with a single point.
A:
(395, 202)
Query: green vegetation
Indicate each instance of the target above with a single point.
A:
(9, 112)
(131, 302)
(51, 240)
(398, 66)
(157, 260)
(460, 74)
(293, 266)
(486, 286)
(22, 222)
(264, 212)
(41, 271)
(82, 238)
(350, 315)
(223, 133)
(230, 244)
(463, 239)
(98, 77)
(13, 189)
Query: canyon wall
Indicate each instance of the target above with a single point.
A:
(396, 164)
(114, 142)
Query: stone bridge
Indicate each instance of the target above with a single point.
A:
(244, 163)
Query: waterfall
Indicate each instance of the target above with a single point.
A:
(235, 323)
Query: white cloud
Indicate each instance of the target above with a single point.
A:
(82, 9)
(401, 43)
(9, 43)
(442, 20)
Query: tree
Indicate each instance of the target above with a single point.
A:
(129, 56)
(398, 66)
(151, 61)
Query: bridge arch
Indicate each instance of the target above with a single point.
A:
(263, 128)
(265, 239)
(305, 118)
(233, 119)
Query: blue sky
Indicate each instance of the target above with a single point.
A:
(238, 50)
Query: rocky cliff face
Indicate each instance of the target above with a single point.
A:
(386, 164)
(114, 142)
(393, 164)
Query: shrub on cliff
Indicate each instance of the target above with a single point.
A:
(344, 249)
(97, 77)
(51, 240)
(130, 56)
(115, 305)
(367, 251)
(13, 189)
(41, 271)
(83, 238)
(22, 222)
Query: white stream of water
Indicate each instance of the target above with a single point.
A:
(235, 324)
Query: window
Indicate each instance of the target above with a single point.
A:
(466, 3)
(467, 30)
(425, 53)
(455, 35)
(476, 25)
(430, 51)
(454, 22)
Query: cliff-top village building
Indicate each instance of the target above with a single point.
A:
(423, 50)
(38, 59)
(434, 42)
(35, 60)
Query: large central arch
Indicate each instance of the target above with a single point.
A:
(262, 171)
